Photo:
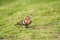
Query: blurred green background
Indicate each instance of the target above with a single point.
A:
(45, 19)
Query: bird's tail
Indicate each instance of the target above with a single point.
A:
(19, 23)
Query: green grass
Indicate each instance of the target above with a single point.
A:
(45, 19)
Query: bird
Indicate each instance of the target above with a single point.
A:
(25, 22)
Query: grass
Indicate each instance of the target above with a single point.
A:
(45, 19)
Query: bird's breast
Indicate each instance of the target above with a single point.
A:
(27, 21)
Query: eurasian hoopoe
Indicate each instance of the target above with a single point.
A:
(26, 21)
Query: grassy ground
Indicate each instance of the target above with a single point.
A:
(45, 19)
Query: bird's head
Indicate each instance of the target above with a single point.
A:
(28, 18)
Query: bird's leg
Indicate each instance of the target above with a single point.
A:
(27, 26)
